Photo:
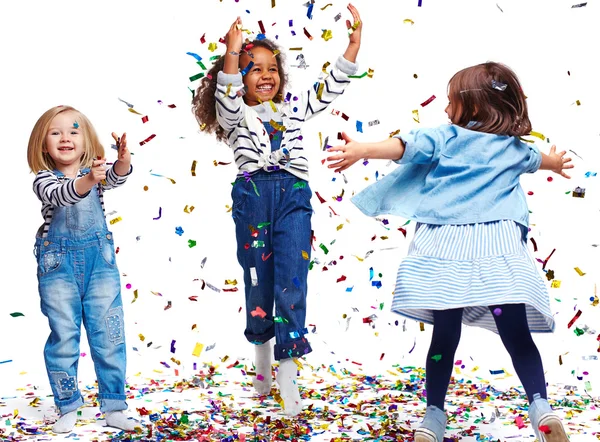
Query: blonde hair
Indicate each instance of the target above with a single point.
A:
(37, 156)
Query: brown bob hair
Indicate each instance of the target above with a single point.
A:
(204, 101)
(490, 95)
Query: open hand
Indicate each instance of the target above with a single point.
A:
(349, 154)
(356, 26)
(560, 162)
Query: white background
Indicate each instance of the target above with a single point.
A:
(89, 54)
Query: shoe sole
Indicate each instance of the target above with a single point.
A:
(425, 435)
(557, 431)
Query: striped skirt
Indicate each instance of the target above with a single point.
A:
(471, 266)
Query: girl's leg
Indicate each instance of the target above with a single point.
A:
(513, 328)
(255, 255)
(104, 324)
(447, 326)
(516, 337)
(291, 252)
(61, 304)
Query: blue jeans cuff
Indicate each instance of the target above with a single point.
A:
(108, 404)
(294, 349)
(260, 339)
(71, 404)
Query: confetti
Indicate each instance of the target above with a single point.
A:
(426, 102)
(147, 139)
(16, 314)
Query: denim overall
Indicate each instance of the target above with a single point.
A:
(79, 280)
(275, 267)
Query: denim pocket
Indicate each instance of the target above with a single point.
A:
(80, 216)
(239, 194)
(49, 260)
(108, 251)
(305, 192)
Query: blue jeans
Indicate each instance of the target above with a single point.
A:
(275, 267)
(79, 281)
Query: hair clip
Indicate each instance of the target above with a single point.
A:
(468, 90)
(76, 125)
(499, 86)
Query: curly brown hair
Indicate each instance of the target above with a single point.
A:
(489, 94)
(204, 101)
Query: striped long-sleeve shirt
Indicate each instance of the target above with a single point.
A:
(54, 189)
(245, 131)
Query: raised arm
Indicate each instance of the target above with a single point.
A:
(230, 104)
(316, 100)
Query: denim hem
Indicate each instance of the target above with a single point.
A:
(295, 349)
(260, 339)
(68, 405)
(108, 404)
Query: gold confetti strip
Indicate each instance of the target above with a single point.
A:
(320, 90)
(327, 5)
(277, 126)
(194, 167)
(396, 132)
(142, 337)
(338, 228)
(370, 73)
(324, 69)
(538, 135)
(408, 20)
(555, 284)
(273, 106)
(231, 281)
(421, 326)
(304, 254)
(116, 220)
(295, 49)
(135, 296)
(276, 52)
(416, 115)
(578, 270)
(188, 209)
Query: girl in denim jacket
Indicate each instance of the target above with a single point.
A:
(468, 261)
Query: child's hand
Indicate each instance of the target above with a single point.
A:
(349, 154)
(233, 39)
(124, 154)
(356, 26)
(559, 163)
(97, 171)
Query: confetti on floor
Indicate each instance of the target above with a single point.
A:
(340, 405)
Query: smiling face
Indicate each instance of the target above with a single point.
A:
(262, 80)
(64, 142)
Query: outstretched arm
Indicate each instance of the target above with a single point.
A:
(352, 151)
(556, 162)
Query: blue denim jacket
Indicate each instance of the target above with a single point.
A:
(454, 175)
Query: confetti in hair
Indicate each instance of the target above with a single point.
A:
(76, 125)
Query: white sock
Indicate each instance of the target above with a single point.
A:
(118, 419)
(65, 422)
(262, 361)
(288, 387)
